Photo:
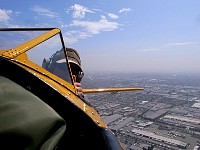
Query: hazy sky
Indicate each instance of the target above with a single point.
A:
(118, 35)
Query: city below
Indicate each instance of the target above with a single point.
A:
(163, 116)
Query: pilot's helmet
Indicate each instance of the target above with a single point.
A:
(58, 59)
(75, 63)
(74, 59)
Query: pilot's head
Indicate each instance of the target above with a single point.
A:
(75, 63)
(57, 64)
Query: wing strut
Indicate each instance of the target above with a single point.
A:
(100, 90)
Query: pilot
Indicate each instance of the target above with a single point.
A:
(57, 65)
(75, 65)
